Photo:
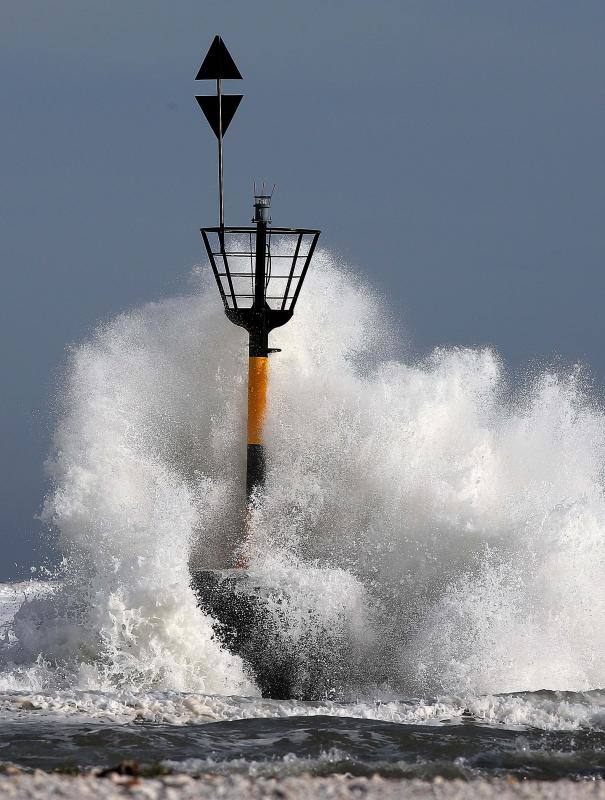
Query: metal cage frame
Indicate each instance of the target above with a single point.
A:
(233, 299)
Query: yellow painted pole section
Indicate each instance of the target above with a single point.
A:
(258, 376)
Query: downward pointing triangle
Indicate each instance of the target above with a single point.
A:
(209, 105)
(218, 63)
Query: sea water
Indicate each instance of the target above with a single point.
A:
(441, 519)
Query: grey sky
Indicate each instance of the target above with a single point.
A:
(453, 150)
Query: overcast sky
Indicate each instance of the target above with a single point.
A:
(452, 150)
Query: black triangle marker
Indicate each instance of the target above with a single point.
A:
(218, 63)
(209, 105)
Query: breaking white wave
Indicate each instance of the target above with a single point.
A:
(543, 710)
(455, 519)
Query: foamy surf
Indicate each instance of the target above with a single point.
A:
(452, 521)
(549, 711)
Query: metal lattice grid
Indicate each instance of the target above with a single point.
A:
(232, 253)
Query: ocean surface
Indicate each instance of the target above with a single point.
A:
(428, 553)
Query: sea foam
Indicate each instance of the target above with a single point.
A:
(450, 517)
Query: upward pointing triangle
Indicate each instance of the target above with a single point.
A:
(218, 63)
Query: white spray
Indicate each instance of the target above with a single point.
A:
(463, 524)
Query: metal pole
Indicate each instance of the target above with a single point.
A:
(258, 378)
(220, 154)
(258, 375)
(260, 266)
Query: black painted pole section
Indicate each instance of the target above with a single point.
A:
(259, 266)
